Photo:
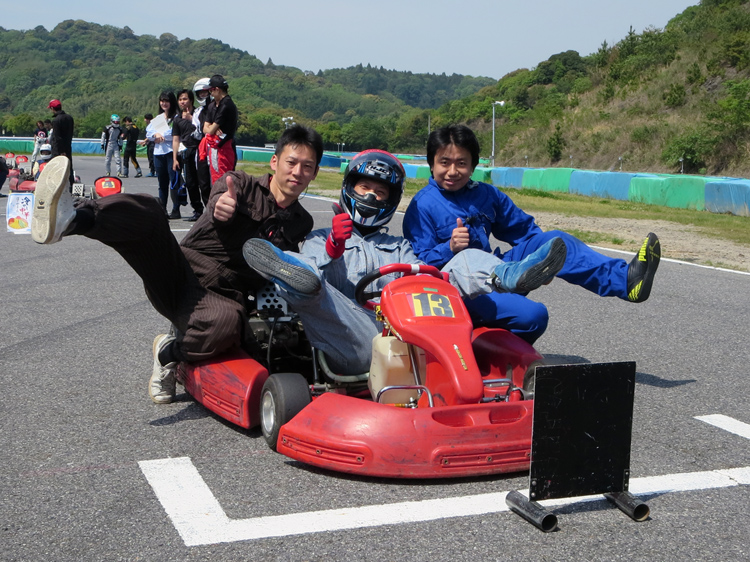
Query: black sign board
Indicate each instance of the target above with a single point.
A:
(583, 417)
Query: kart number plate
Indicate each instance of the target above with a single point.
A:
(431, 304)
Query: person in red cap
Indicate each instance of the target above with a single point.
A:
(62, 135)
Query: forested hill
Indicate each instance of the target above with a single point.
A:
(97, 70)
(665, 100)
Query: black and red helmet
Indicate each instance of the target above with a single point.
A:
(379, 165)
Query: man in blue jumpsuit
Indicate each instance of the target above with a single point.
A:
(319, 282)
(452, 213)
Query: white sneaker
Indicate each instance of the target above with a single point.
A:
(161, 387)
(53, 203)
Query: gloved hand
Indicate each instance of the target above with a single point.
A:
(341, 231)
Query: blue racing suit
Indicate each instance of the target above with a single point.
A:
(485, 210)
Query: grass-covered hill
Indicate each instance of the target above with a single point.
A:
(681, 92)
(97, 70)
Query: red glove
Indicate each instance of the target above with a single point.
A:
(341, 231)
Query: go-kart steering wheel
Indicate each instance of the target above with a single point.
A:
(365, 298)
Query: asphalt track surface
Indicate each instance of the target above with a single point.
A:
(86, 456)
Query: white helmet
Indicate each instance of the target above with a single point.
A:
(45, 152)
(201, 87)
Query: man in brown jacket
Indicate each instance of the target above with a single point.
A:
(200, 285)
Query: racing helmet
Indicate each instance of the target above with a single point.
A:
(115, 119)
(379, 165)
(45, 152)
(201, 87)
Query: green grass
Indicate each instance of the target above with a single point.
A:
(724, 227)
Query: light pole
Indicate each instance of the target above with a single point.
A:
(288, 122)
(494, 103)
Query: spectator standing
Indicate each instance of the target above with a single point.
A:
(131, 144)
(62, 135)
(112, 136)
(149, 148)
(219, 127)
(199, 118)
(40, 138)
(185, 148)
(159, 131)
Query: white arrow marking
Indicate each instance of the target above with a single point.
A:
(729, 424)
(200, 520)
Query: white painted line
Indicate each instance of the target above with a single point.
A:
(728, 424)
(200, 520)
(677, 261)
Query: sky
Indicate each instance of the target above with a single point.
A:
(474, 37)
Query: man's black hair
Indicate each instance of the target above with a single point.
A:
(459, 135)
(127, 119)
(148, 116)
(298, 134)
(190, 95)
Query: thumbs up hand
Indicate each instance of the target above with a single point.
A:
(341, 231)
(460, 237)
(227, 202)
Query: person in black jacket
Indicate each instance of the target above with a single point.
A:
(62, 135)
(131, 145)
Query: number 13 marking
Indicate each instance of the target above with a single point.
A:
(430, 304)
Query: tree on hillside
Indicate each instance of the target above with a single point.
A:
(555, 144)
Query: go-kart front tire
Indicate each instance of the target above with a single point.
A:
(284, 395)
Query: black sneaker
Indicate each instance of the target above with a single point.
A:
(642, 269)
(194, 217)
(277, 266)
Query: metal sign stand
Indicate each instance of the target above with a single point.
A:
(580, 444)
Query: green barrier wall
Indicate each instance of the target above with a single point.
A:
(253, 156)
(423, 173)
(16, 146)
(556, 179)
(681, 192)
(532, 178)
(482, 174)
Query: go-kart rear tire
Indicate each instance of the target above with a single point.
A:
(284, 395)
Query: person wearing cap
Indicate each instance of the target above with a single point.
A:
(62, 135)
(112, 136)
(220, 125)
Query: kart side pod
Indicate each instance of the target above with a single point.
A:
(229, 385)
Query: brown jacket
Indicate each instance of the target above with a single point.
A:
(214, 248)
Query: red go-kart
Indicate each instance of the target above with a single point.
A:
(442, 398)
